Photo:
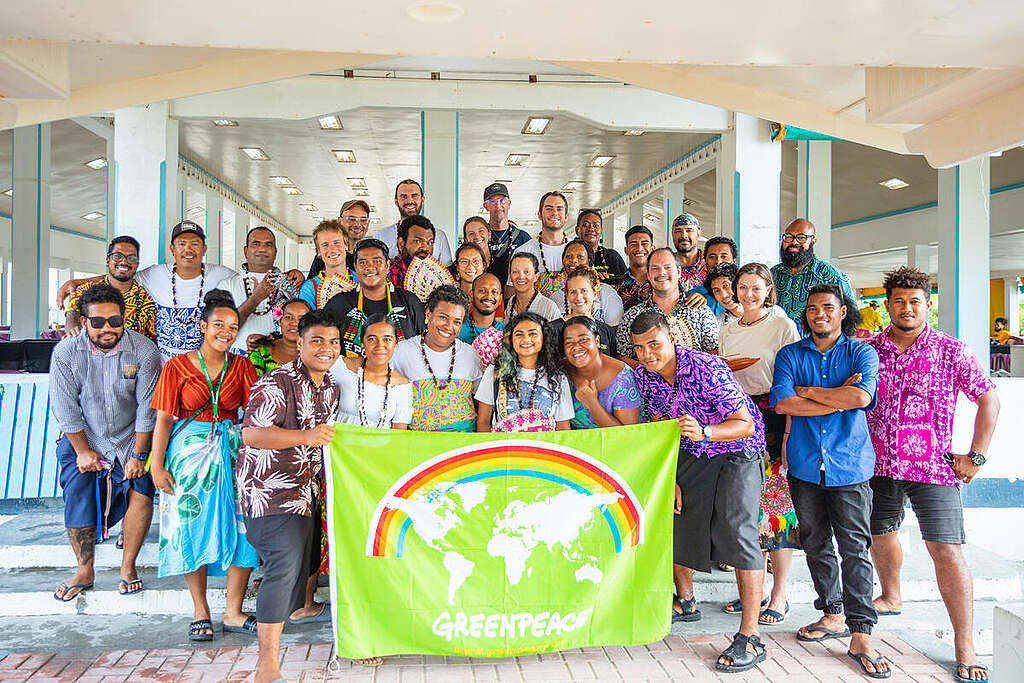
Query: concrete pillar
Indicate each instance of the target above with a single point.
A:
(1011, 297)
(747, 206)
(672, 203)
(919, 256)
(814, 191)
(30, 231)
(963, 221)
(440, 166)
(146, 193)
(241, 230)
(214, 226)
(636, 214)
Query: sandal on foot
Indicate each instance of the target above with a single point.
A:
(248, 627)
(829, 634)
(119, 543)
(723, 567)
(82, 587)
(689, 613)
(736, 606)
(889, 613)
(969, 668)
(196, 627)
(742, 658)
(324, 615)
(128, 587)
(779, 618)
(860, 658)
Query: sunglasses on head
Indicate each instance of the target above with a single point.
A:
(97, 322)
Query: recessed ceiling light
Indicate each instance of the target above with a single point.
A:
(362, 192)
(344, 156)
(330, 122)
(894, 183)
(356, 182)
(193, 210)
(225, 123)
(281, 180)
(601, 160)
(516, 159)
(97, 163)
(307, 207)
(93, 215)
(292, 190)
(536, 125)
(634, 131)
(572, 186)
(506, 182)
(689, 202)
(255, 153)
(9, 192)
(435, 12)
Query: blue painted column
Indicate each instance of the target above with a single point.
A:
(214, 226)
(814, 191)
(672, 203)
(440, 164)
(30, 232)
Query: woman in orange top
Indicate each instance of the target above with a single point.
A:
(195, 445)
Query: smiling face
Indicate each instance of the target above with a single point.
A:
(752, 291)
(497, 206)
(188, 250)
(418, 244)
(908, 309)
(553, 213)
(721, 289)
(319, 347)
(478, 233)
(356, 221)
(522, 275)
(330, 245)
(107, 336)
(824, 314)
(220, 329)
(260, 251)
(443, 324)
(655, 349)
(575, 255)
(589, 229)
(638, 248)
(663, 272)
(579, 292)
(408, 199)
(289, 322)
(379, 342)
(527, 339)
(580, 346)
(371, 267)
(469, 265)
(122, 262)
(486, 294)
(685, 237)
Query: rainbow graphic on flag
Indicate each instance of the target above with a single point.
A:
(508, 458)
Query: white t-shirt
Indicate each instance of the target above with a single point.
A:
(553, 398)
(763, 341)
(541, 305)
(389, 236)
(256, 323)
(552, 255)
(440, 406)
(609, 304)
(399, 400)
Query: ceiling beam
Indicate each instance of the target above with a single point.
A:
(38, 69)
(919, 96)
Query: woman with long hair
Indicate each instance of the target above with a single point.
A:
(195, 446)
(283, 347)
(373, 393)
(525, 389)
(581, 287)
(604, 391)
(579, 254)
(760, 333)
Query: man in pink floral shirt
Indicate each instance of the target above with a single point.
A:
(921, 372)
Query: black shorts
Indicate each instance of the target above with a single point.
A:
(721, 502)
(938, 507)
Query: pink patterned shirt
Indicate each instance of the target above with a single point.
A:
(911, 424)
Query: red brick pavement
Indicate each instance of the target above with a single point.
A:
(674, 658)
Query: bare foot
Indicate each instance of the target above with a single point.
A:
(370, 661)
(83, 577)
(887, 604)
(305, 612)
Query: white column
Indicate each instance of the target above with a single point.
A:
(1011, 297)
(919, 256)
(672, 203)
(30, 231)
(214, 226)
(111, 170)
(440, 164)
(814, 191)
(963, 220)
(748, 172)
(146, 172)
(636, 214)
(241, 230)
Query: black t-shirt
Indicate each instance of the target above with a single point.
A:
(609, 261)
(605, 337)
(502, 250)
(406, 311)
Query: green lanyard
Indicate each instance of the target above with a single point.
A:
(214, 390)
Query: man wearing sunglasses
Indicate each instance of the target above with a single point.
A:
(139, 309)
(101, 385)
(801, 269)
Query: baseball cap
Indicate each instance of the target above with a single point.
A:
(495, 188)
(354, 202)
(185, 227)
(686, 219)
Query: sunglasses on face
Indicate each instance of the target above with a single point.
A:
(97, 322)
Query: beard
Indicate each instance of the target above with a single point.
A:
(122, 278)
(105, 345)
(796, 259)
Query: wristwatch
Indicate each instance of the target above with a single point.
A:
(977, 458)
(707, 433)
(141, 456)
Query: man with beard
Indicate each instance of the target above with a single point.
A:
(607, 262)
(415, 240)
(685, 236)
(505, 236)
(547, 246)
(800, 270)
(409, 199)
(139, 309)
(374, 296)
(101, 385)
(486, 298)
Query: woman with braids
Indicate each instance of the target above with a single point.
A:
(581, 288)
(195, 446)
(281, 348)
(603, 389)
(525, 389)
(373, 394)
(579, 254)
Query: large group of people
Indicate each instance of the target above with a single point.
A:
(220, 388)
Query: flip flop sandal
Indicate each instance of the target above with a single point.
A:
(128, 587)
(860, 658)
(889, 613)
(829, 634)
(324, 615)
(248, 627)
(736, 606)
(196, 627)
(742, 658)
(689, 613)
(779, 618)
(67, 589)
(723, 567)
(969, 668)
(119, 543)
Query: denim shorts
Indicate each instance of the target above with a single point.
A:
(938, 507)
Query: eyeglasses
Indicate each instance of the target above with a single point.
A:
(495, 202)
(118, 257)
(364, 220)
(97, 322)
(799, 239)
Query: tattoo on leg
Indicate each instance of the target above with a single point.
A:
(83, 542)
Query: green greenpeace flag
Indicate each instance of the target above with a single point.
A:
(495, 545)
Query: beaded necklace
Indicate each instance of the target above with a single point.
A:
(540, 248)
(174, 288)
(270, 300)
(361, 392)
(511, 305)
(426, 361)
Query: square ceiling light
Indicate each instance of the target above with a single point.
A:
(516, 159)
(634, 132)
(97, 163)
(572, 186)
(225, 123)
(193, 210)
(255, 153)
(344, 156)
(894, 183)
(356, 182)
(536, 125)
(93, 215)
(292, 190)
(281, 180)
(601, 160)
(330, 122)
(362, 192)
(308, 207)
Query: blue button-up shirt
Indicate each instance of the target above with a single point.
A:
(839, 440)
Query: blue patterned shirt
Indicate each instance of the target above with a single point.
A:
(792, 289)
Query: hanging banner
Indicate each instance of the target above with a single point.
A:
(482, 545)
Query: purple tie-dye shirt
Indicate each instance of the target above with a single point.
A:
(911, 424)
(709, 393)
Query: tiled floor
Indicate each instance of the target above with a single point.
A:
(677, 658)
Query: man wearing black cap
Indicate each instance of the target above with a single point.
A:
(505, 236)
(409, 199)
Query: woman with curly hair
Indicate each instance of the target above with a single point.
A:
(525, 389)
